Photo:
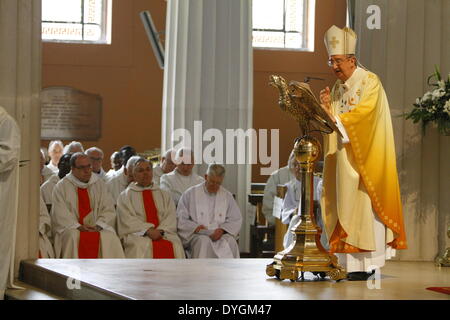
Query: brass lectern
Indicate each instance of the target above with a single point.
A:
(305, 254)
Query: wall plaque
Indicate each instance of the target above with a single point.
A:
(70, 114)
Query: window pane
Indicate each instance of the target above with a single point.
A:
(268, 14)
(61, 10)
(268, 39)
(92, 32)
(76, 20)
(93, 11)
(293, 40)
(61, 31)
(294, 15)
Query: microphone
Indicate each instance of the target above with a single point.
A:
(311, 78)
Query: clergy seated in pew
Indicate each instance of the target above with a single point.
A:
(289, 212)
(146, 218)
(55, 152)
(46, 250)
(280, 176)
(166, 166)
(116, 164)
(73, 147)
(182, 178)
(123, 177)
(46, 173)
(49, 185)
(209, 219)
(96, 156)
(83, 215)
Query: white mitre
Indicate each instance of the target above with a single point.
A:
(340, 41)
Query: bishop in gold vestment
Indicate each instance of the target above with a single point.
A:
(361, 205)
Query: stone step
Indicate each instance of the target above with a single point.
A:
(29, 293)
(61, 285)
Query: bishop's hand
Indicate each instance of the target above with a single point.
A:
(325, 102)
(325, 97)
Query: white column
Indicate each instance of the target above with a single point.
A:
(208, 77)
(20, 86)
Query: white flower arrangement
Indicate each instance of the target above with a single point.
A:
(434, 105)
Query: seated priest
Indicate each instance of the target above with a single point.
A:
(278, 177)
(146, 218)
(116, 164)
(46, 172)
(120, 182)
(55, 151)
(182, 178)
(83, 215)
(209, 219)
(46, 250)
(291, 204)
(96, 156)
(49, 185)
(166, 166)
(73, 147)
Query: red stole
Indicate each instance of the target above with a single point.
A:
(162, 249)
(89, 244)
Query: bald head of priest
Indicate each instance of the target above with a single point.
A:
(183, 177)
(184, 162)
(214, 177)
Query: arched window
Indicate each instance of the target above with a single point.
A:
(86, 21)
(284, 24)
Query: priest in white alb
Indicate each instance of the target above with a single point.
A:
(182, 178)
(49, 185)
(55, 151)
(147, 221)
(291, 203)
(122, 179)
(96, 156)
(209, 219)
(83, 215)
(278, 177)
(166, 166)
(46, 250)
(116, 164)
(9, 180)
(73, 147)
(46, 172)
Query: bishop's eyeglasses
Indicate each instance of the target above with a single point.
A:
(337, 62)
